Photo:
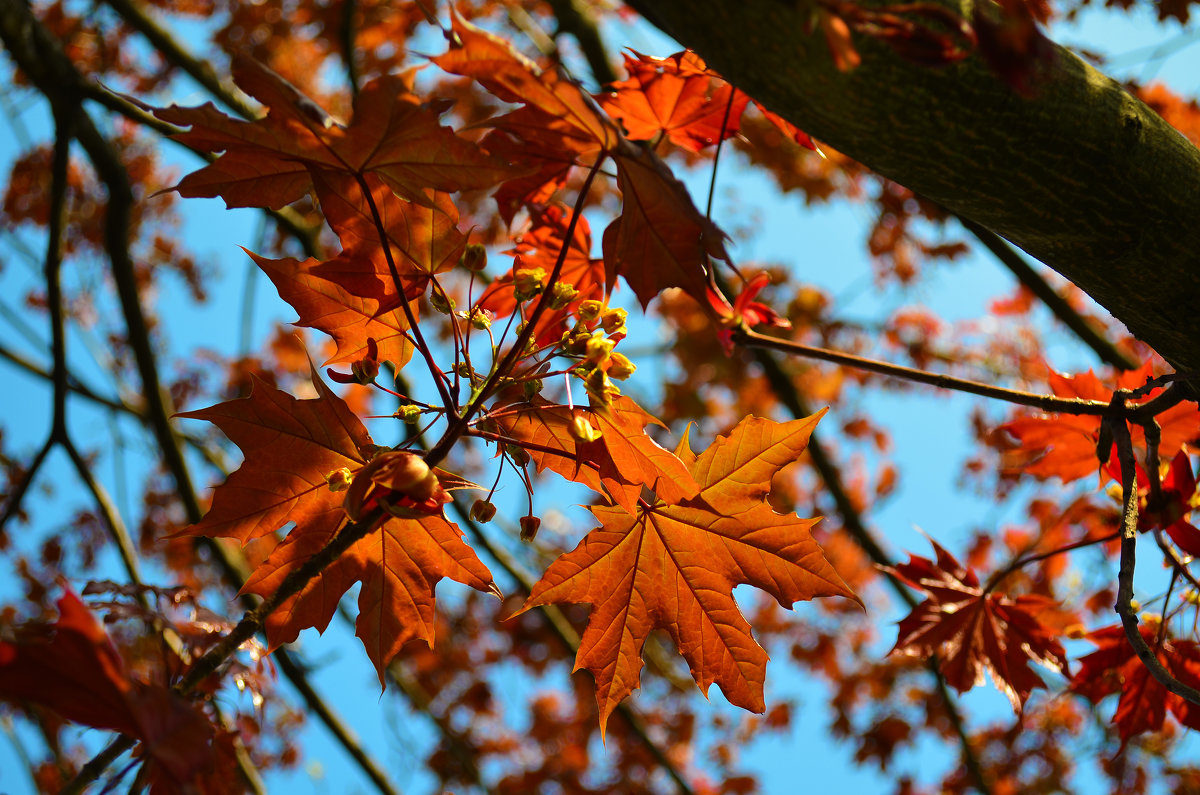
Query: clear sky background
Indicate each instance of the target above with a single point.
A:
(823, 244)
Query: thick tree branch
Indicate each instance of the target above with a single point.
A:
(1082, 176)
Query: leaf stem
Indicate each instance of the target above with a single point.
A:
(439, 378)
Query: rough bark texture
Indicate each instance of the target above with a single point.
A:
(1082, 175)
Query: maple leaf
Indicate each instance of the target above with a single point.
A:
(539, 247)
(327, 306)
(512, 77)
(676, 96)
(789, 129)
(423, 239)
(660, 240)
(973, 630)
(291, 448)
(266, 162)
(1064, 445)
(73, 668)
(621, 461)
(673, 566)
(1114, 667)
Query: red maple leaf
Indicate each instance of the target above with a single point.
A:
(73, 668)
(673, 565)
(1064, 445)
(539, 247)
(973, 630)
(1115, 668)
(677, 96)
(1178, 495)
(660, 240)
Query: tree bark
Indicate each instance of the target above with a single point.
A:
(1081, 175)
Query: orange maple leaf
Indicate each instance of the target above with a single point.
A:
(327, 306)
(1114, 667)
(1064, 445)
(673, 566)
(621, 461)
(291, 448)
(974, 630)
(677, 96)
(73, 668)
(266, 162)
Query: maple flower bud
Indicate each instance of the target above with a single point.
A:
(619, 367)
(339, 479)
(531, 388)
(480, 319)
(410, 413)
(581, 429)
(599, 348)
(474, 258)
(614, 320)
(562, 294)
(528, 282)
(365, 371)
(395, 480)
(518, 454)
(529, 527)
(482, 511)
(600, 388)
(576, 344)
(589, 310)
(441, 303)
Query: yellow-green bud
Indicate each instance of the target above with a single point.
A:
(528, 282)
(589, 310)
(531, 387)
(474, 258)
(581, 430)
(365, 371)
(599, 348)
(410, 413)
(441, 303)
(613, 319)
(619, 367)
(562, 294)
(339, 479)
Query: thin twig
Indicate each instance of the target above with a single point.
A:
(1095, 408)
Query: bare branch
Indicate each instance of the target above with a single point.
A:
(1129, 534)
